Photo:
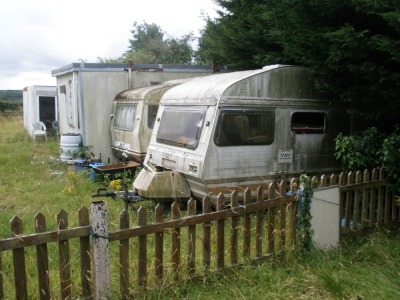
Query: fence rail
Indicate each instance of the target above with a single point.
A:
(162, 248)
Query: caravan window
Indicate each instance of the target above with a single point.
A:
(151, 115)
(308, 122)
(238, 128)
(181, 127)
(124, 117)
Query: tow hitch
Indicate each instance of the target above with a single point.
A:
(128, 196)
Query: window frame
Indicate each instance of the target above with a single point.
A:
(304, 125)
(116, 124)
(265, 139)
(150, 120)
(180, 140)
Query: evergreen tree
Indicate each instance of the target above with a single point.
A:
(236, 37)
(352, 46)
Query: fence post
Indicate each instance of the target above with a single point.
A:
(100, 250)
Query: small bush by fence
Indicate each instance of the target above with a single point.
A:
(89, 261)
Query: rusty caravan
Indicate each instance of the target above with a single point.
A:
(132, 120)
(226, 132)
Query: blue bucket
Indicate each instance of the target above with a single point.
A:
(92, 173)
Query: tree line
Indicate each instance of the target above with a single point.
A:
(10, 100)
(11, 95)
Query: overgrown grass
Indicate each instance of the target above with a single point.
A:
(364, 268)
(32, 180)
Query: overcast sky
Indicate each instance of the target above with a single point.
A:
(38, 36)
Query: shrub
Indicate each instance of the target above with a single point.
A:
(359, 151)
(391, 157)
(6, 105)
(369, 150)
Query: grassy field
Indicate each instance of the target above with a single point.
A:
(33, 180)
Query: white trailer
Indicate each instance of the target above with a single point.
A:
(40, 104)
(226, 132)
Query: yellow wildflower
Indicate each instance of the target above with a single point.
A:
(115, 184)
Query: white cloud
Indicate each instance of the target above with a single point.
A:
(39, 36)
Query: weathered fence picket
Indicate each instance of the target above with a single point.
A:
(366, 195)
(159, 245)
(42, 259)
(176, 240)
(356, 210)
(220, 234)
(142, 249)
(21, 291)
(191, 239)
(124, 257)
(234, 230)
(271, 221)
(373, 200)
(64, 257)
(259, 224)
(207, 234)
(246, 225)
(84, 254)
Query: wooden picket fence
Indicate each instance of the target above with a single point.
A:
(159, 250)
(366, 201)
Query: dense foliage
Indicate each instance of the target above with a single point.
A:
(10, 100)
(359, 151)
(391, 157)
(236, 38)
(352, 46)
(369, 150)
(9, 106)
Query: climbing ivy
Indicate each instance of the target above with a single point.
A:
(304, 230)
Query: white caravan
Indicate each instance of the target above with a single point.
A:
(132, 120)
(226, 132)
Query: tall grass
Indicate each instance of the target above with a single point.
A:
(32, 179)
(365, 268)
